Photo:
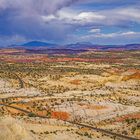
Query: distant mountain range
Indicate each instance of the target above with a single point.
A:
(102, 47)
(38, 45)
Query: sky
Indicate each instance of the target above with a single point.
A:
(70, 21)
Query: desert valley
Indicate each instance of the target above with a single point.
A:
(69, 94)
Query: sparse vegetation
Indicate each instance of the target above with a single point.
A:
(100, 89)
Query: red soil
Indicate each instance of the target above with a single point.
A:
(129, 116)
(60, 115)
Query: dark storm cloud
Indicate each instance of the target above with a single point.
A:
(35, 6)
(24, 17)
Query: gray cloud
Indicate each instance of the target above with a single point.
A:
(24, 18)
(35, 6)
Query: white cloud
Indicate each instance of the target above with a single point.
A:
(81, 18)
(130, 33)
(117, 35)
(111, 17)
(130, 12)
(95, 31)
(48, 18)
(89, 17)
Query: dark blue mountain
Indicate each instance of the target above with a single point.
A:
(36, 44)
